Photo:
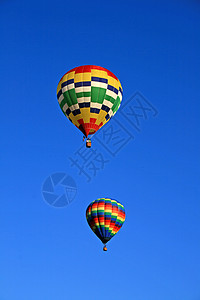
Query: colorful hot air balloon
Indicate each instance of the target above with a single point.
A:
(105, 217)
(89, 96)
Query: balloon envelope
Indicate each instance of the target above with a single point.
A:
(89, 96)
(105, 217)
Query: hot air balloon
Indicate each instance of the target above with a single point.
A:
(105, 217)
(89, 96)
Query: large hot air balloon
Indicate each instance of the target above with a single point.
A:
(105, 217)
(89, 96)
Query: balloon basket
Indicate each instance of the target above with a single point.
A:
(88, 143)
(105, 248)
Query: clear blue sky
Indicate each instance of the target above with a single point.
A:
(49, 253)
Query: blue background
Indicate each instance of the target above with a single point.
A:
(48, 253)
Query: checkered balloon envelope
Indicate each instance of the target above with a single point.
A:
(89, 96)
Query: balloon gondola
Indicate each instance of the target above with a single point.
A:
(89, 96)
(88, 143)
(105, 217)
(105, 248)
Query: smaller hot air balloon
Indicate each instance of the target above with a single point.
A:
(105, 217)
